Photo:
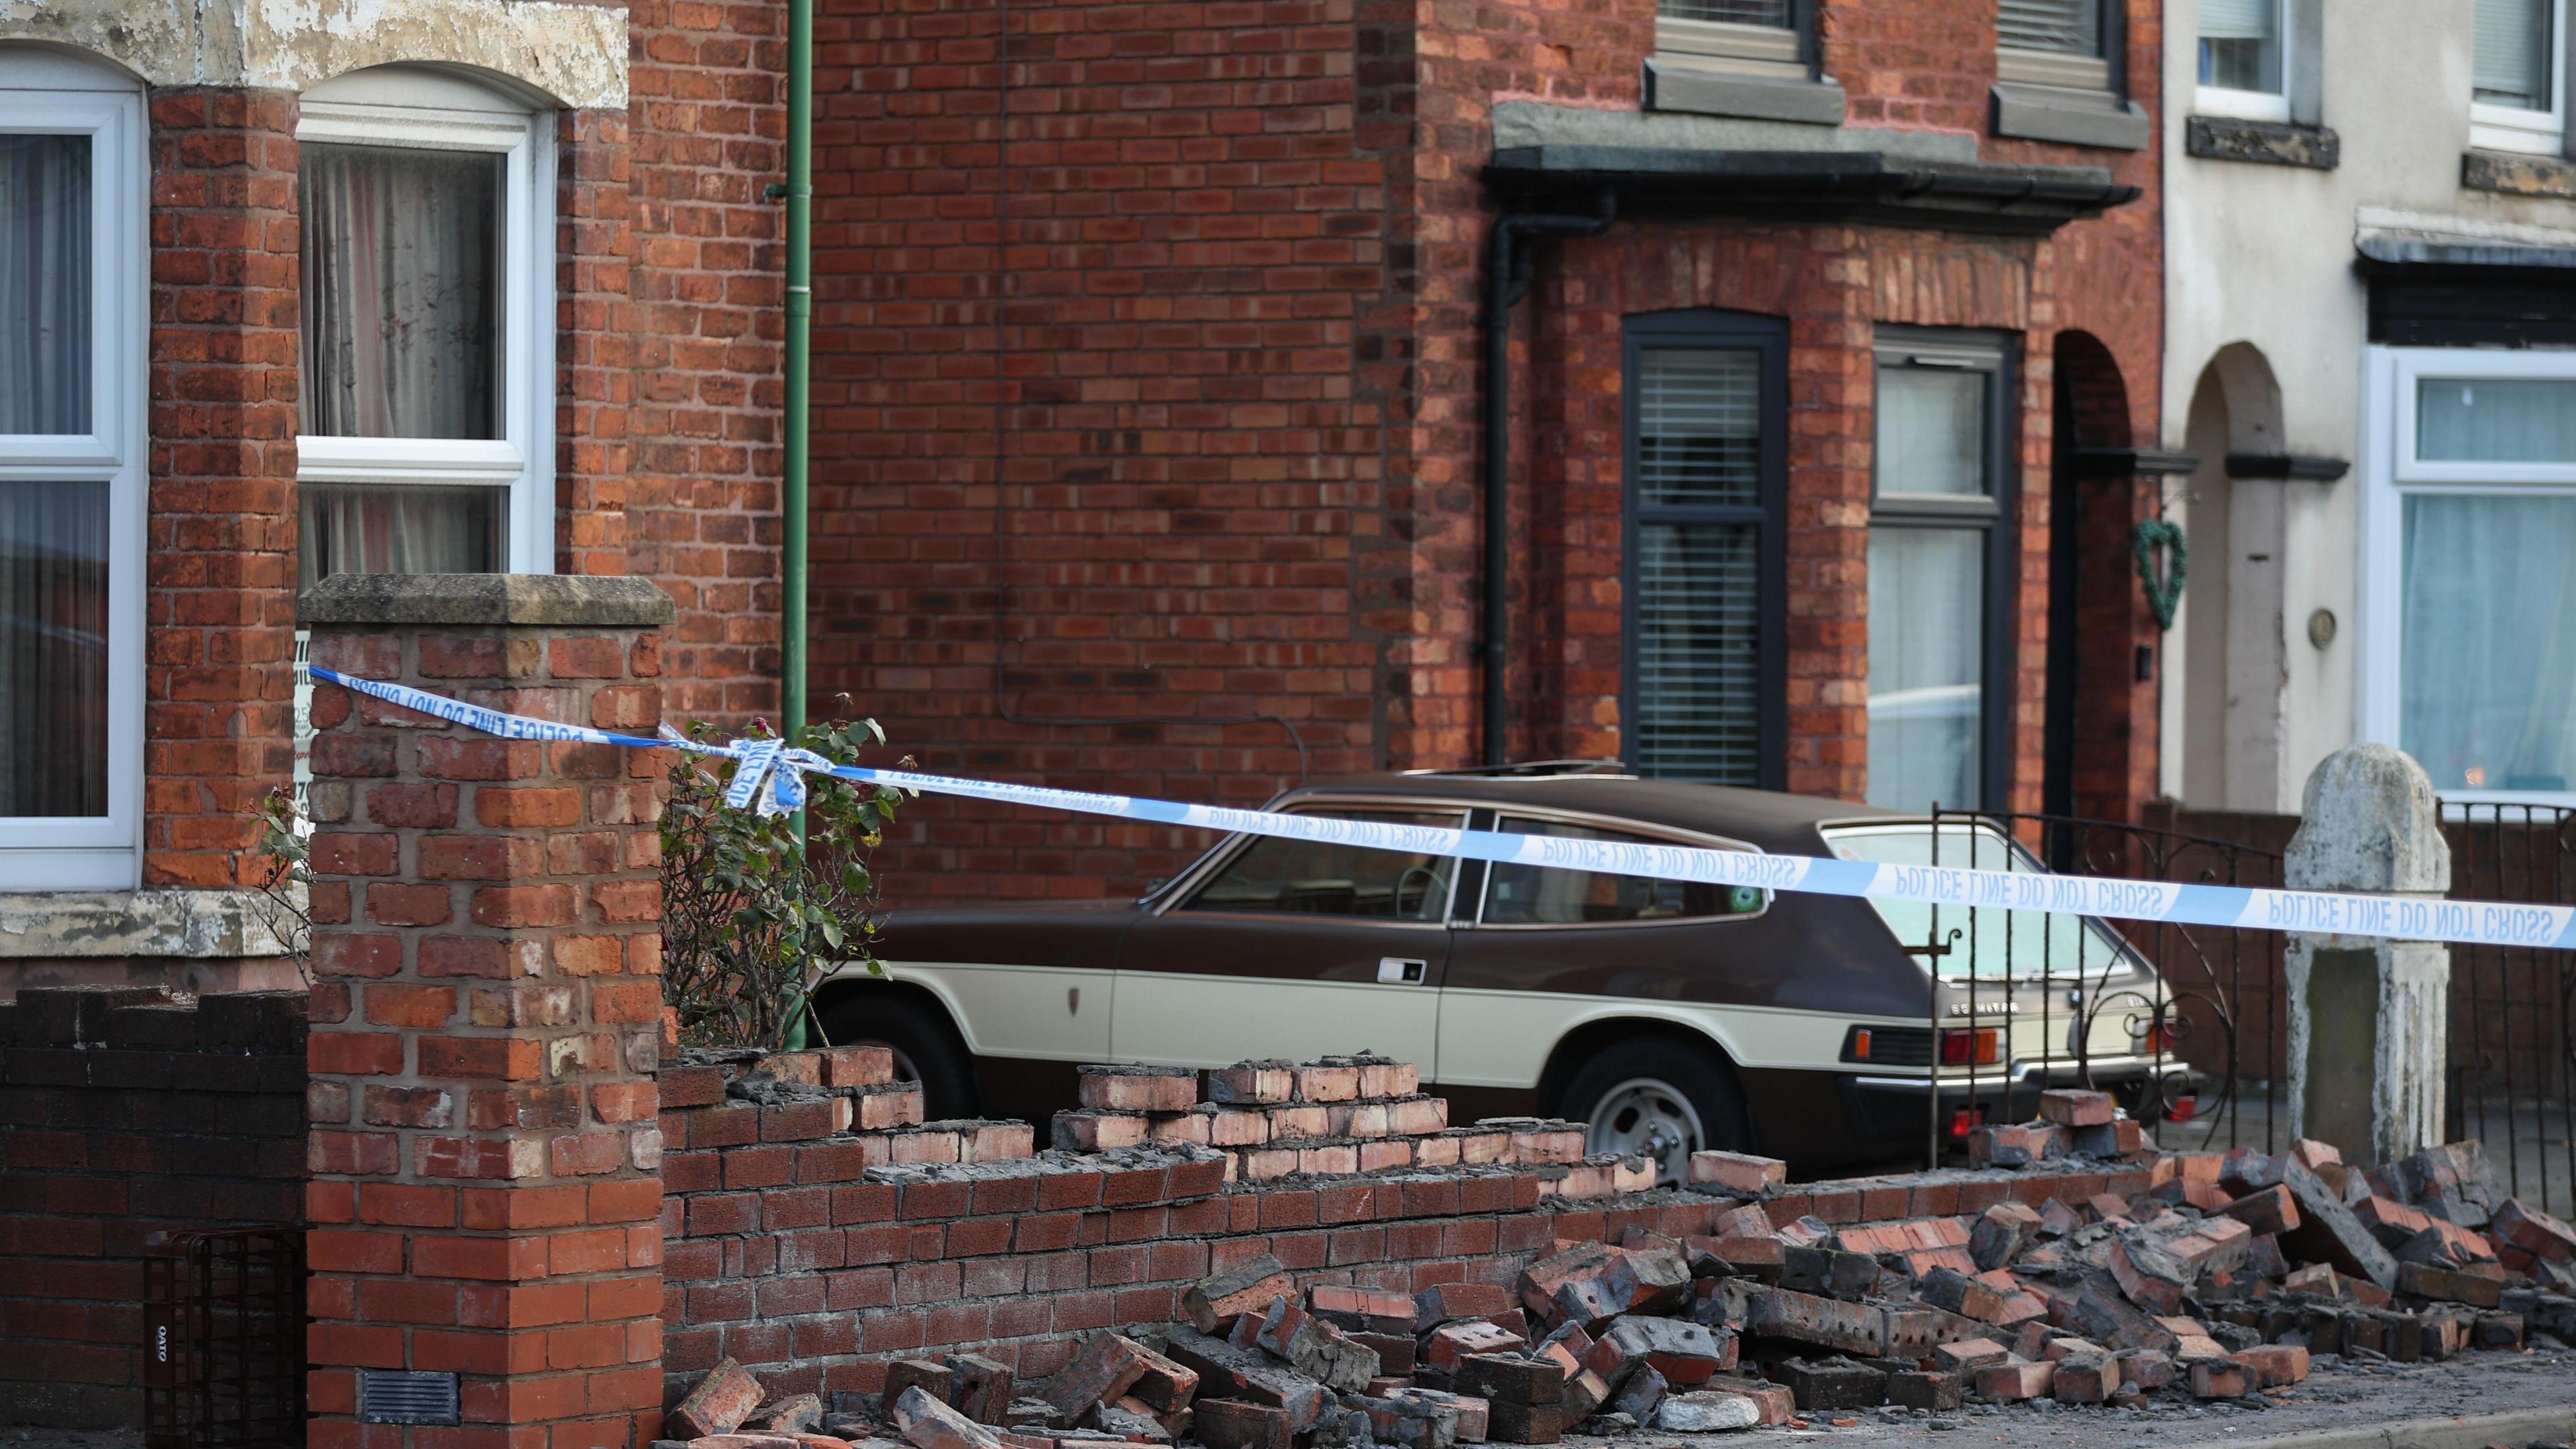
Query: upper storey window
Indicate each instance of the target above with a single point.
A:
(428, 359)
(2518, 99)
(2057, 75)
(2244, 68)
(1757, 35)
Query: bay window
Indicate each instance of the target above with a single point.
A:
(2469, 578)
(427, 410)
(2518, 95)
(72, 280)
(1707, 474)
(1939, 572)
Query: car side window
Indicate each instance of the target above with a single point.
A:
(1315, 878)
(1536, 895)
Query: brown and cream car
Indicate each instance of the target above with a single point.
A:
(1668, 1016)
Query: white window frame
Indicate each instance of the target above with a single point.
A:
(403, 106)
(2390, 473)
(1734, 46)
(48, 93)
(2511, 128)
(2246, 105)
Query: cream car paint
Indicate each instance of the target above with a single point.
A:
(1042, 1012)
(1503, 1038)
(1214, 1021)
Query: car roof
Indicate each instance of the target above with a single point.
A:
(1769, 820)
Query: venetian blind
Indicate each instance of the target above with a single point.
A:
(2511, 64)
(2071, 27)
(2238, 19)
(1699, 429)
(1734, 12)
(1698, 577)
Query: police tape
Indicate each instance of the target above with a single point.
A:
(768, 777)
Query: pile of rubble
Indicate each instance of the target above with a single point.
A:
(2221, 1281)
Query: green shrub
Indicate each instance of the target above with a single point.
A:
(752, 917)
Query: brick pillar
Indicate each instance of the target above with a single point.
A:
(486, 1012)
(219, 684)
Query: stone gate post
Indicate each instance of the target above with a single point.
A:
(2369, 1016)
(484, 1205)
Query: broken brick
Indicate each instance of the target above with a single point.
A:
(2084, 1379)
(1214, 1302)
(926, 1423)
(2533, 1231)
(2270, 1365)
(2218, 1379)
(1102, 1370)
(1447, 1302)
(2272, 1210)
(1737, 1172)
(1234, 1424)
(2015, 1381)
(1138, 1089)
(719, 1403)
(2076, 1107)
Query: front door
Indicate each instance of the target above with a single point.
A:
(1294, 949)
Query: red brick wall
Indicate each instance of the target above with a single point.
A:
(705, 124)
(220, 608)
(788, 1253)
(1219, 457)
(1202, 349)
(122, 1114)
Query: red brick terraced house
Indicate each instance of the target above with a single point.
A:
(1159, 353)
(1168, 359)
(430, 286)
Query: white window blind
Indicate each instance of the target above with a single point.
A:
(2511, 66)
(2068, 27)
(1698, 565)
(2238, 19)
(1731, 12)
(1699, 430)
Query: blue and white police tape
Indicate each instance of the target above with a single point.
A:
(769, 778)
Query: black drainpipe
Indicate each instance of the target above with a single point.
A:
(1507, 279)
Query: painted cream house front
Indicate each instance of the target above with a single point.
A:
(2368, 161)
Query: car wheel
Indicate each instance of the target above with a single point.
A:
(1658, 1098)
(924, 1044)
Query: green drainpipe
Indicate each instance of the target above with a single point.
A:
(800, 332)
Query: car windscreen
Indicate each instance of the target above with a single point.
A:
(1986, 942)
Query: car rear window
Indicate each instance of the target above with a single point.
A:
(1314, 878)
(1537, 895)
(1988, 942)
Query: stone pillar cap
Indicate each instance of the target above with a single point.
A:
(2370, 822)
(561, 600)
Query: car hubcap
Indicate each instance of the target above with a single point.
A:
(1643, 1117)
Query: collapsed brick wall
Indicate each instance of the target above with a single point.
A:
(813, 1254)
(123, 1112)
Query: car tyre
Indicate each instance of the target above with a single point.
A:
(925, 1046)
(1660, 1098)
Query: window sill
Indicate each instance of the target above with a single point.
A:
(2516, 174)
(179, 923)
(1683, 84)
(2075, 117)
(2265, 143)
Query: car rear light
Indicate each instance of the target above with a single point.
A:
(2167, 1036)
(2183, 1109)
(1981, 1046)
(1964, 1120)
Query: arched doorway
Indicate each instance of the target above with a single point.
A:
(2099, 746)
(2235, 668)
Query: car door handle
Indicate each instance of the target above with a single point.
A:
(1399, 971)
